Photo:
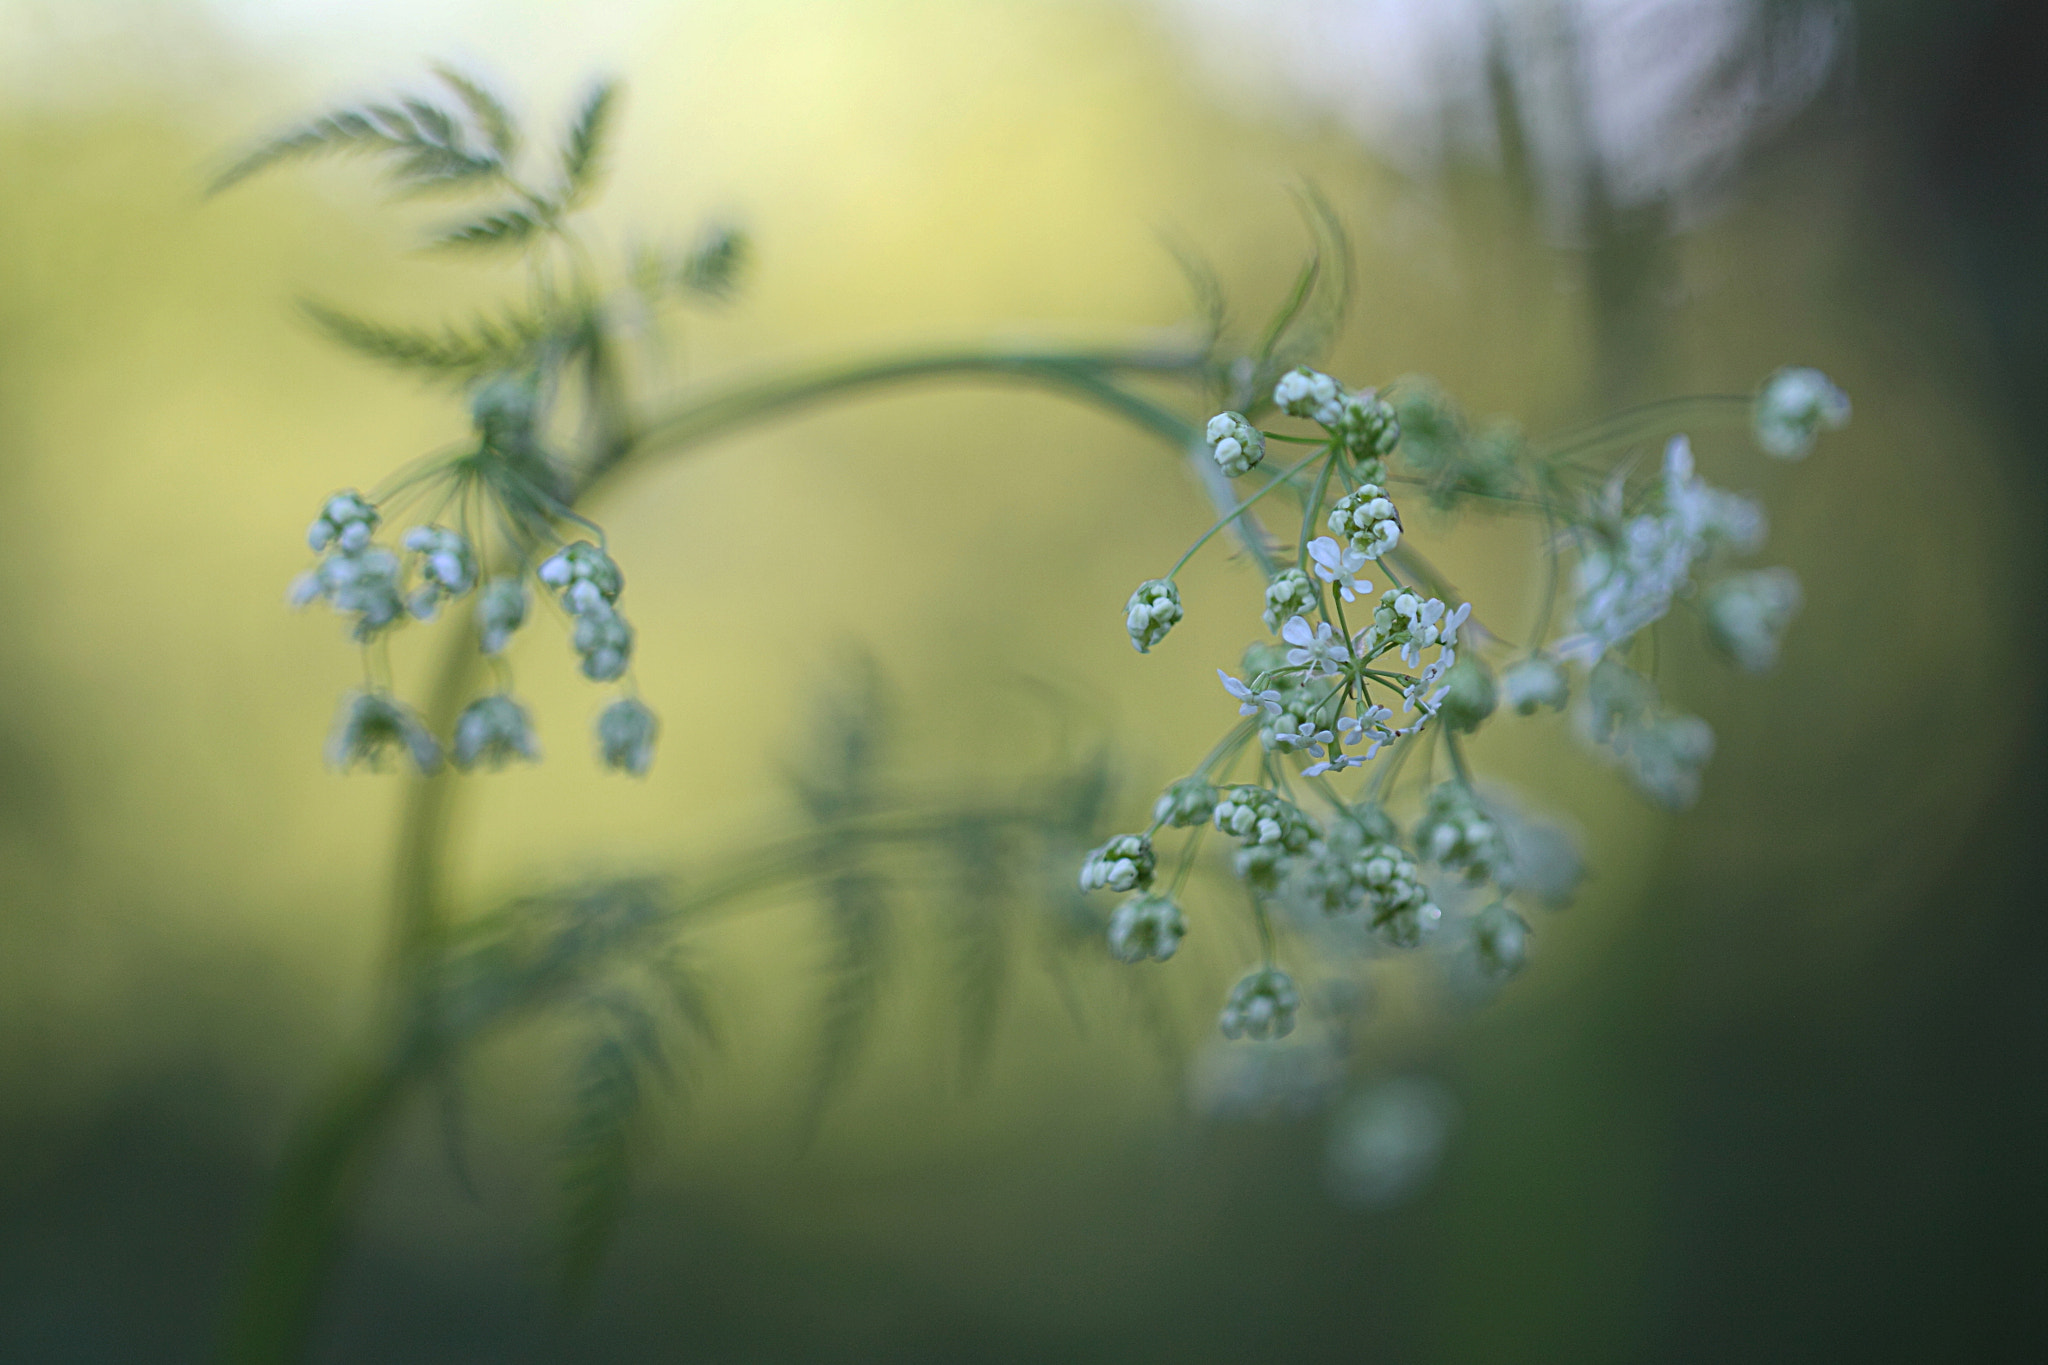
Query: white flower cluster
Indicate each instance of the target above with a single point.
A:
(491, 732)
(1457, 834)
(1662, 752)
(1261, 1006)
(1795, 406)
(1154, 609)
(1303, 392)
(1146, 926)
(589, 582)
(363, 583)
(626, 731)
(1747, 614)
(446, 567)
(1235, 444)
(1628, 579)
(1125, 863)
(346, 522)
(373, 724)
(1367, 521)
(1270, 830)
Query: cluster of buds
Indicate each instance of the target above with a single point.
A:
(588, 582)
(491, 732)
(1153, 610)
(1146, 926)
(1234, 443)
(1367, 522)
(1125, 863)
(1261, 1006)
(1795, 406)
(446, 566)
(1458, 835)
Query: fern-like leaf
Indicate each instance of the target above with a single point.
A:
(347, 131)
(483, 346)
(583, 149)
(978, 938)
(506, 227)
(857, 913)
(597, 1160)
(495, 121)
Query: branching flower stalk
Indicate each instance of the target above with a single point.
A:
(1360, 681)
(495, 533)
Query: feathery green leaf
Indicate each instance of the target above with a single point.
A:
(583, 150)
(857, 919)
(506, 227)
(597, 1160)
(499, 128)
(483, 346)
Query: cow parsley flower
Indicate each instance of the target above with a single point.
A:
(1146, 926)
(372, 724)
(492, 731)
(626, 731)
(1235, 443)
(1125, 863)
(584, 575)
(605, 641)
(447, 568)
(1747, 614)
(1250, 703)
(346, 522)
(1190, 801)
(1261, 1006)
(363, 583)
(1154, 609)
(1367, 425)
(1795, 406)
(500, 610)
(1322, 651)
(1367, 521)
(1337, 566)
(1458, 835)
(1290, 594)
(1303, 392)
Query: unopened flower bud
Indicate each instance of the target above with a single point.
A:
(626, 732)
(492, 731)
(1796, 405)
(1190, 801)
(1532, 682)
(1500, 937)
(1471, 695)
(1367, 520)
(500, 610)
(1147, 926)
(1261, 1006)
(371, 725)
(1303, 392)
(1747, 614)
(1235, 443)
(1291, 593)
(1125, 863)
(1153, 610)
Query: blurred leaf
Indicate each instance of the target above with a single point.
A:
(584, 148)
(492, 117)
(506, 227)
(977, 929)
(430, 143)
(483, 346)
(596, 1159)
(857, 921)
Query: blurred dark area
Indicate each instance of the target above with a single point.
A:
(1761, 1127)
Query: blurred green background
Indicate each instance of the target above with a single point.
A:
(1771, 1090)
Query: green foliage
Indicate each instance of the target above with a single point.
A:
(462, 352)
(583, 148)
(429, 148)
(503, 228)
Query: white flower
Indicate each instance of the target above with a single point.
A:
(1235, 443)
(1147, 926)
(1125, 863)
(491, 731)
(1261, 1006)
(1289, 594)
(1795, 406)
(1322, 650)
(1367, 521)
(1338, 566)
(626, 731)
(1303, 392)
(1747, 613)
(1250, 703)
(1154, 609)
